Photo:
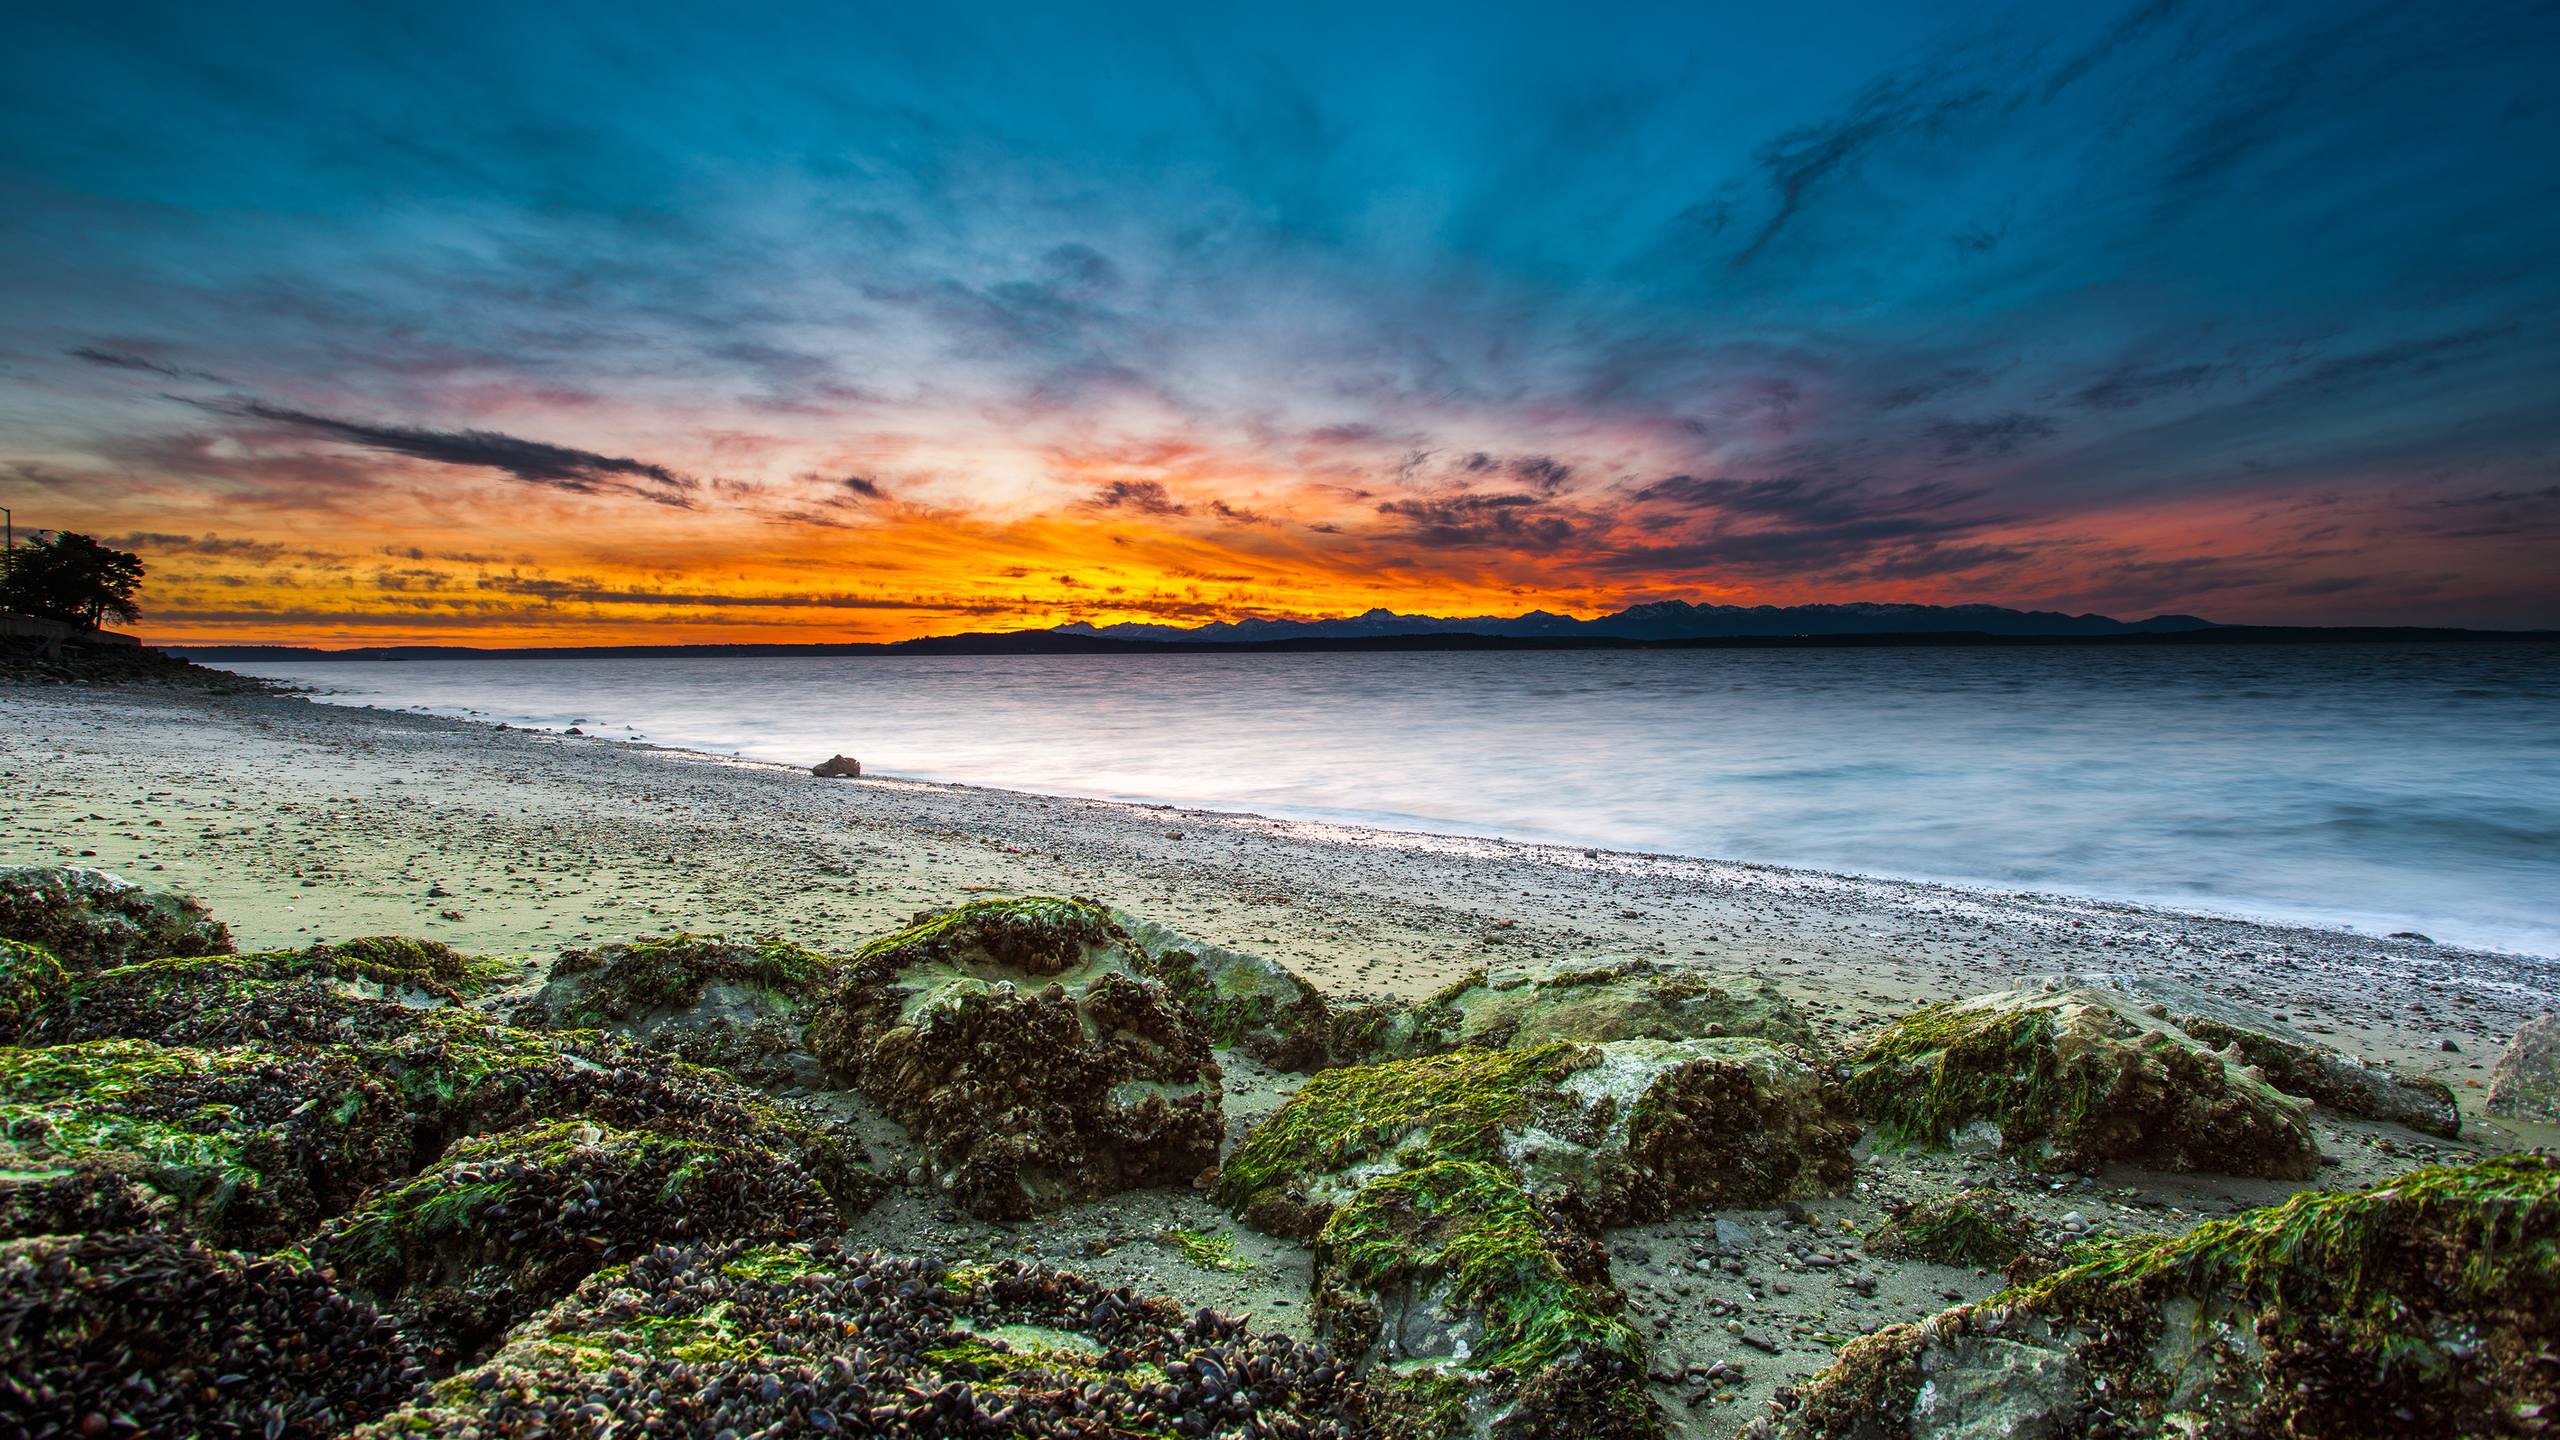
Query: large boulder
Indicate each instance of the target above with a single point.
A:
(1593, 1003)
(89, 918)
(2429, 1305)
(1455, 1203)
(1026, 1044)
(2291, 1060)
(2526, 1083)
(2077, 1078)
(503, 1225)
(747, 1340)
(1633, 1130)
(1241, 1000)
(149, 1335)
(734, 1005)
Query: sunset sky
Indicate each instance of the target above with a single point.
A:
(555, 323)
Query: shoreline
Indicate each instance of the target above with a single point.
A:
(538, 839)
(1396, 830)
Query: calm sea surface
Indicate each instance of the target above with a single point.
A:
(2379, 787)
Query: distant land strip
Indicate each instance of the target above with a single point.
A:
(1050, 642)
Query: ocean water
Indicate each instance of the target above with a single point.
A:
(2375, 787)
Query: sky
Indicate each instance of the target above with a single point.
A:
(566, 323)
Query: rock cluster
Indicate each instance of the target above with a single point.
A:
(1027, 1043)
(2429, 1305)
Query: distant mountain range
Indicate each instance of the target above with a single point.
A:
(1663, 620)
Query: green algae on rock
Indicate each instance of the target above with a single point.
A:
(366, 989)
(1979, 1228)
(734, 1005)
(90, 919)
(2292, 1061)
(2429, 1304)
(1026, 1044)
(32, 982)
(2077, 1078)
(144, 1334)
(813, 1338)
(503, 1225)
(1593, 1003)
(1242, 1001)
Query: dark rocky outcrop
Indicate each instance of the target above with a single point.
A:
(141, 1334)
(367, 989)
(797, 1339)
(1027, 1044)
(2076, 1078)
(90, 919)
(2291, 1060)
(2429, 1305)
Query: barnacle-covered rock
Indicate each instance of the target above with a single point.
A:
(2526, 1084)
(368, 989)
(1024, 1042)
(1594, 1003)
(89, 918)
(503, 1225)
(149, 1335)
(735, 1005)
(2291, 1060)
(96, 1195)
(813, 1339)
(258, 1144)
(1635, 1129)
(32, 982)
(2077, 1078)
(1241, 1000)
(1970, 1227)
(2428, 1305)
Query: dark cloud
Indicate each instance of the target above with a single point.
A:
(535, 462)
(153, 542)
(2128, 386)
(1509, 521)
(127, 360)
(1147, 496)
(1992, 435)
(1237, 514)
(1801, 161)
(863, 486)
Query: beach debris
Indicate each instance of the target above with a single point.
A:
(837, 767)
(1455, 1204)
(2077, 1078)
(2525, 1085)
(1027, 1044)
(769, 1339)
(1242, 1001)
(503, 1225)
(2428, 1304)
(1592, 1002)
(90, 919)
(734, 1005)
(140, 1334)
(2292, 1061)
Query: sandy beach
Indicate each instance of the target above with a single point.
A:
(298, 821)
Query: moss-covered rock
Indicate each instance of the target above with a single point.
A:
(257, 1145)
(812, 1339)
(2429, 1305)
(368, 989)
(1978, 1228)
(1591, 1004)
(89, 918)
(734, 1005)
(32, 982)
(2292, 1061)
(149, 1335)
(1025, 1043)
(1634, 1130)
(1242, 1001)
(503, 1225)
(1479, 1309)
(2077, 1078)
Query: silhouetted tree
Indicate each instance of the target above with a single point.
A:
(73, 579)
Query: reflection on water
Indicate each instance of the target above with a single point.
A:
(2386, 786)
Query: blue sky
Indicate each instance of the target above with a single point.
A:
(2246, 312)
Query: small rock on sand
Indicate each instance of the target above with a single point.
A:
(838, 767)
